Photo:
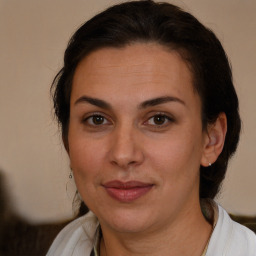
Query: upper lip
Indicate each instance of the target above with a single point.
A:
(126, 185)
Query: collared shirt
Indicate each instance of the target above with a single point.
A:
(211, 213)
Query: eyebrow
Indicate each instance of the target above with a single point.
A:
(148, 103)
(160, 100)
(93, 101)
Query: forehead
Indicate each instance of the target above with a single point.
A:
(141, 70)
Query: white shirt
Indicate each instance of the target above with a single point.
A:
(228, 238)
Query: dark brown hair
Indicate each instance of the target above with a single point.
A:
(167, 25)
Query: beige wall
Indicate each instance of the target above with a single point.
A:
(33, 36)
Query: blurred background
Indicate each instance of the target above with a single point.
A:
(33, 163)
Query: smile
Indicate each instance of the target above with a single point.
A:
(127, 191)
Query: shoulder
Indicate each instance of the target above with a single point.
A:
(76, 238)
(229, 238)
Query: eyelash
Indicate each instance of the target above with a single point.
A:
(90, 122)
(87, 120)
(167, 120)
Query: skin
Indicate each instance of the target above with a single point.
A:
(162, 144)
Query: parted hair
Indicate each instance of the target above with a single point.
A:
(175, 29)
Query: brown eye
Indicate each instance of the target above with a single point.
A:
(96, 120)
(159, 120)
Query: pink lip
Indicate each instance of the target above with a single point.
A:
(127, 191)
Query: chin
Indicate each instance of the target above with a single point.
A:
(127, 221)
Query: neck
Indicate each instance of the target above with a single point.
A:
(188, 235)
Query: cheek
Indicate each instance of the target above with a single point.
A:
(85, 158)
(178, 167)
(176, 157)
(86, 164)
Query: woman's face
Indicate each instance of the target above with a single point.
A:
(135, 137)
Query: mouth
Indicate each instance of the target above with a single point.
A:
(127, 191)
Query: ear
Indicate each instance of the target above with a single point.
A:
(214, 140)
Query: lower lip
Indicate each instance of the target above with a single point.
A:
(128, 195)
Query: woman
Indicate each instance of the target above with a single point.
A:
(149, 118)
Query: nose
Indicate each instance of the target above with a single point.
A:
(126, 148)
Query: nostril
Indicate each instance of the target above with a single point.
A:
(132, 162)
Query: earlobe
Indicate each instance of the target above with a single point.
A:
(215, 139)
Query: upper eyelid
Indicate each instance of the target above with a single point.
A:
(170, 118)
(160, 113)
(86, 116)
(94, 113)
(90, 124)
